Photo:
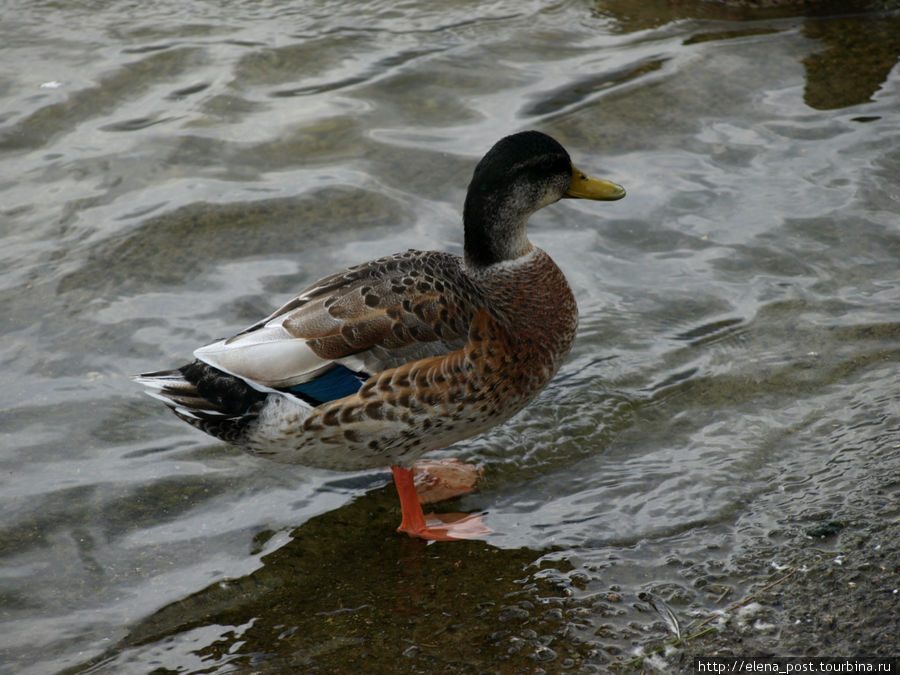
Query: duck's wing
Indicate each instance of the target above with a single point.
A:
(371, 317)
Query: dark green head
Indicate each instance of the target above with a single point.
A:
(519, 175)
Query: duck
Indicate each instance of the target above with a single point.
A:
(378, 364)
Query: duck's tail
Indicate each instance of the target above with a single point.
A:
(215, 402)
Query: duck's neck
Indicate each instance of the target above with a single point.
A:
(494, 231)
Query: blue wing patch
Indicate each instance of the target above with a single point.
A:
(336, 383)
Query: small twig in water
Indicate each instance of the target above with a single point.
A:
(694, 635)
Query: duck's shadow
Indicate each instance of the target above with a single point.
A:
(346, 587)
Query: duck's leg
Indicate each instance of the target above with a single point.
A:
(445, 526)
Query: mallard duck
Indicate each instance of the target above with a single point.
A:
(387, 360)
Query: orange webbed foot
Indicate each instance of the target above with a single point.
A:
(449, 527)
(434, 527)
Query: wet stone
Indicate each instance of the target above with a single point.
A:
(513, 613)
(544, 654)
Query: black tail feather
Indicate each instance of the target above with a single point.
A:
(228, 394)
(215, 402)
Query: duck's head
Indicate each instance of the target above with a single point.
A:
(519, 175)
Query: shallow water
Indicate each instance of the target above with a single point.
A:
(171, 173)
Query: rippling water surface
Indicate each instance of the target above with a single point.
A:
(172, 171)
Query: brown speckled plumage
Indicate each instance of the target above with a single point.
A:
(392, 358)
(511, 351)
(404, 304)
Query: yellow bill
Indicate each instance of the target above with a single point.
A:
(586, 187)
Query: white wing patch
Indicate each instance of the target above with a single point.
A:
(265, 358)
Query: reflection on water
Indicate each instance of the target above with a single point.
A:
(857, 56)
(172, 173)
